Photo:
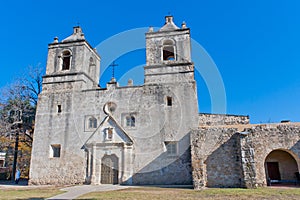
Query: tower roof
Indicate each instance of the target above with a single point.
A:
(77, 35)
(169, 24)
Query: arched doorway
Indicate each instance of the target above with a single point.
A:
(109, 169)
(280, 167)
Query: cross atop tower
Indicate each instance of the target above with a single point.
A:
(113, 65)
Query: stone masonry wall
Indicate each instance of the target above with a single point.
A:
(228, 157)
(215, 158)
(248, 178)
(156, 123)
(220, 119)
(261, 140)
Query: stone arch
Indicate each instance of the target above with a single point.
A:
(110, 169)
(281, 165)
(168, 50)
(65, 59)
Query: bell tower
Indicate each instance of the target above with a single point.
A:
(71, 64)
(168, 54)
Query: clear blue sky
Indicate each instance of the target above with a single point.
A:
(255, 44)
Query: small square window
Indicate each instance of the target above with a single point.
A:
(130, 121)
(171, 148)
(55, 151)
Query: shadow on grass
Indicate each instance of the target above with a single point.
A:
(22, 182)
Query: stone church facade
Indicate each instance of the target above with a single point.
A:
(148, 134)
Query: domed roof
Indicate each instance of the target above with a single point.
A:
(169, 24)
(77, 35)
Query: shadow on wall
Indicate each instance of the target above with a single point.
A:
(168, 169)
(223, 165)
(296, 150)
(296, 153)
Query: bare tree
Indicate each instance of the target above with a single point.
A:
(18, 103)
(33, 83)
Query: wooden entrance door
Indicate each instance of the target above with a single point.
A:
(109, 170)
(273, 170)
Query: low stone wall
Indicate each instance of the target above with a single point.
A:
(261, 140)
(215, 158)
(59, 172)
(178, 172)
(225, 157)
(222, 119)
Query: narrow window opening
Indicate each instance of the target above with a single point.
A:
(95, 123)
(91, 66)
(90, 123)
(109, 133)
(66, 58)
(132, 121)
(59, 108)
(169, 101)
(55, 151)
(127, 121)
(1, 163)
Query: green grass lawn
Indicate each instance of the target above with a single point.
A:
(37, 193)
(149, 193)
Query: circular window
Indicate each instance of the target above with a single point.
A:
(109, 108)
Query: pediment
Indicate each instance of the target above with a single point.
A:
(109, 132)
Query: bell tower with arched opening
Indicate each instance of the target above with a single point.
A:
(168, 54)
(72, 64)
